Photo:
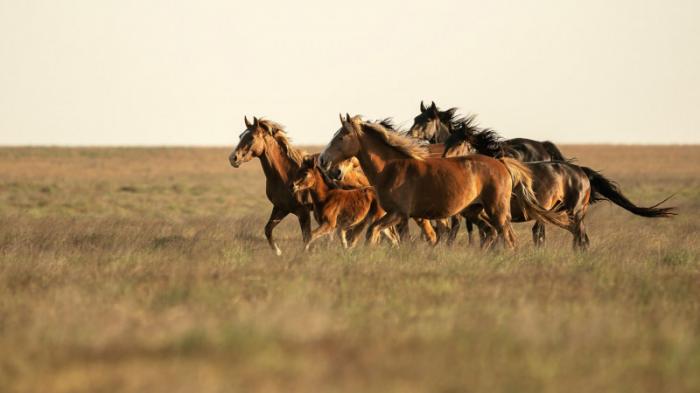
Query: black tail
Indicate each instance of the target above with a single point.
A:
(553, 151)
(603, 189)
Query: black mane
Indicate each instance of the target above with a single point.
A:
(484, 141)
(488, 143)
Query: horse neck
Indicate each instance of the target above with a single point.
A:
(373, 156)
(443, 131)
(319, 192)
(275, 163)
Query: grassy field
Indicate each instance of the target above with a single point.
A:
(146, 270)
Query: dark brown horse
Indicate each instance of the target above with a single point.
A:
(559, 186)
(347, 210)
(409, 184)
(436, 126)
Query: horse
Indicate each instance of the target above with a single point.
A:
(436, 126)
(280, 161)
(348, 210)
(435, 150)
(408, 184)
(559, 186)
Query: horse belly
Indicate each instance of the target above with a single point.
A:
(435, 197)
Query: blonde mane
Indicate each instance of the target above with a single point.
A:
(412, 147)
(280, 135)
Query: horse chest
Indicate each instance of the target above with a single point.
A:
(280, 195)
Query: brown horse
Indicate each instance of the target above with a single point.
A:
(347, 210)
(559, 185)
(280, 162)
(410, 185)
(434, 150)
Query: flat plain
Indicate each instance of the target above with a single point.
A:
(146, 270)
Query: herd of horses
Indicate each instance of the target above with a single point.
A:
(444, 170)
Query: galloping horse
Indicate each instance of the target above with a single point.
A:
(410, 185)
(559, 185)
(280, 162)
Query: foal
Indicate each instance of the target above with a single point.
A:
(347, 210)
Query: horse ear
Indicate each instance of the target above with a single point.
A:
(347, 117)
(247, 122)
(256, 122)
(433, 109)
(340, 116)
(422, 106)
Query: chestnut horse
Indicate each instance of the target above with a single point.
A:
(435, 150)
(410, 185)
(347, 210)
(559, 185)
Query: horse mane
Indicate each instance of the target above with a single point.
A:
(450, 117)
(388, 123)
(488, 142)
(280, 135)
(485, 141)
(411, 147)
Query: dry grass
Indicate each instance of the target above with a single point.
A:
(146, 270)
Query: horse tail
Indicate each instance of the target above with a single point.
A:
(604, 189)
(553, 151)
(522, 189)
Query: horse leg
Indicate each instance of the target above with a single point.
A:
(391, 235)
(276, 216)
(498, 217)
(354, 233)
(325, 228)
(454, 230)
(428, 231)
(373, 232)
(581, 241)
(403, 230)
(305, 224)
(343, 238)
(442, 228)
(538, 233)
(469, 224)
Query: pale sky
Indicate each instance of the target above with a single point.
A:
(173, 72)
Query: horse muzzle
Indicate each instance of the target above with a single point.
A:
(335, 174)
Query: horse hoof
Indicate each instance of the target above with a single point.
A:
(278, 252)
